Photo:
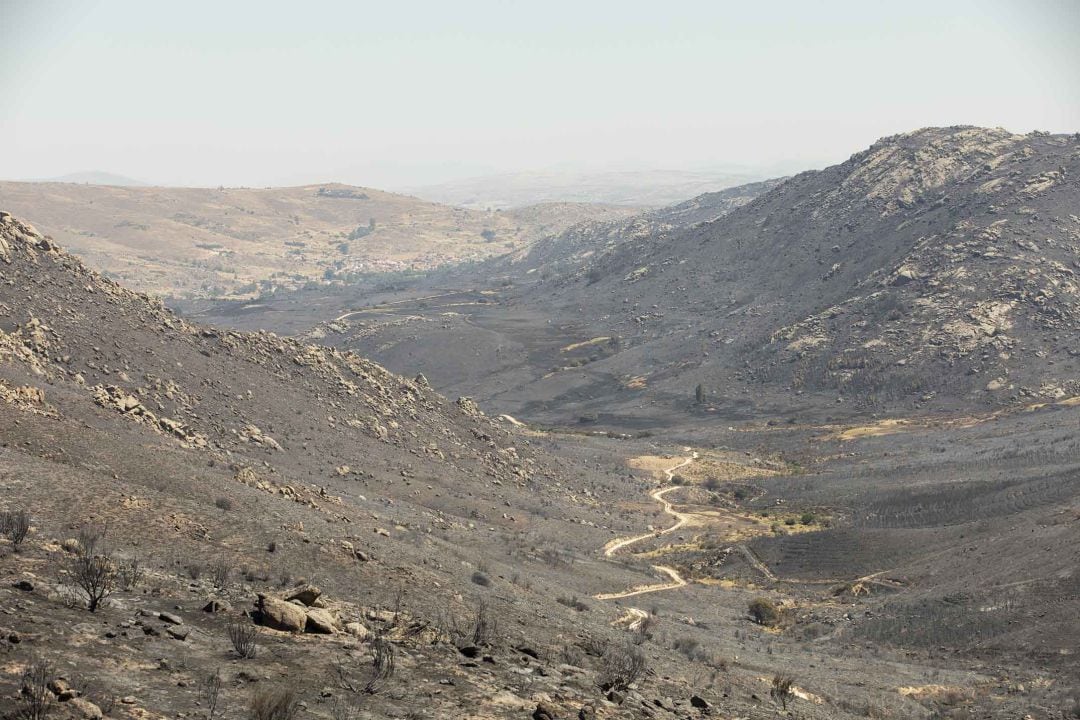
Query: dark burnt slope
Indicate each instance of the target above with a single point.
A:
(934, 268)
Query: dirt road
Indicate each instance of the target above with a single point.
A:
(681, 519)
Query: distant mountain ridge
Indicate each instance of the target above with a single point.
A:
(655, 188)
(97, 177)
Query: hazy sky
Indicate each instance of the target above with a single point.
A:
(398, 93)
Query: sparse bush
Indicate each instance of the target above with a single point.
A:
(129, 574)
(35, 696)
(764, 612)
(210, 691)
(807, 518)
(687, 646)
(15, 524)
(643, 630)
(344, 709)
(224, 503)
(620, 667)
(481, 579)
(382, 665)
(781, 689)
(93, 569)
(789, 521)
(485, 624)
(220, 570)
(594, 646)
(571, 655)
(572, 602)
(244, 638)
(280, 703)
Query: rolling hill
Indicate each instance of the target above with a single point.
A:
(936, 270)
(194, 242)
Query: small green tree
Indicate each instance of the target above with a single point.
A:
(763, 611)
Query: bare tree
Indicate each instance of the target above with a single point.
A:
(35, 696)
(93, 569)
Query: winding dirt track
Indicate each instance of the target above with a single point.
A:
(681, 519)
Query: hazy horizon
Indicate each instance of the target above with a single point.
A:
(405, 96)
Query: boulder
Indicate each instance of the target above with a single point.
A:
(357, 630)
(85, 709)
(62, 689)
(280, 615)
(306, 594)
(217, 606)
(321, 622)
(544, 711)
(178, 632)
(699, 702)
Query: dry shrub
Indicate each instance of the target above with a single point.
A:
(280, 703)
(620, 667)
(244, 638)
(36, 698)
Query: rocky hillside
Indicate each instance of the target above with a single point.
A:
(193, 242)
(196, 448)
(937, 268)
(571, 248)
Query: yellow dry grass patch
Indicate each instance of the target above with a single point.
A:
(586, 343)
(638, 382)
(655, 464)
(885, 427)
(928, 691)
